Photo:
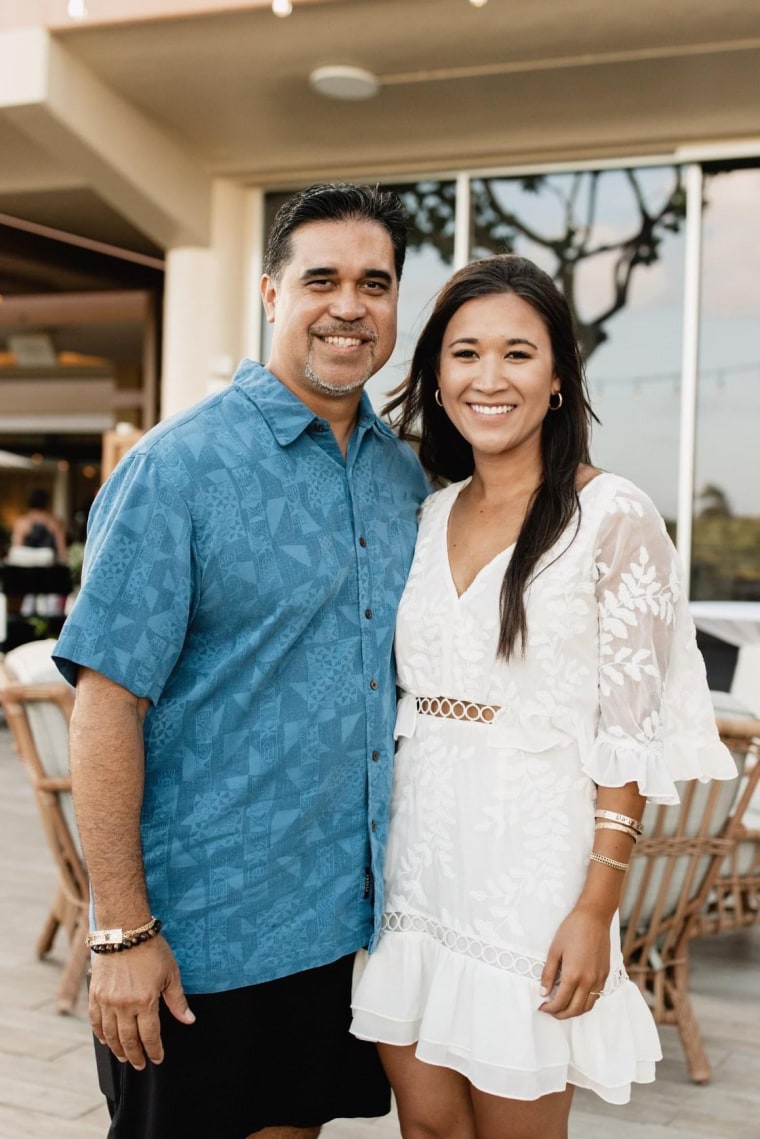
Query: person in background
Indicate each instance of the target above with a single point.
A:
(232, 738)
(38, 528)
(550, 684)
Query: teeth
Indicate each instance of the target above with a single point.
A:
(343, 341)
(492, 409)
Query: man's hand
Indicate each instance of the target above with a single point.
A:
(125, 991)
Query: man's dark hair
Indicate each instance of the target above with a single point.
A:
(38, 499)
(335, 202)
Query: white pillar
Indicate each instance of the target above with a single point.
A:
(228, 223)
(253, 264)
(689, 366)
(187, 341)
(463, 225)
(205, 305)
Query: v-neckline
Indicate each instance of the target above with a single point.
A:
(501, 554)
(459, 596)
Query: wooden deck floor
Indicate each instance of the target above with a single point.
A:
(47, 1079)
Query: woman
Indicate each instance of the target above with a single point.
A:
(550, 684)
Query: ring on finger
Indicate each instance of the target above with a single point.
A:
(595, 994)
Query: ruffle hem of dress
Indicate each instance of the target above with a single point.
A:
(483, 1022)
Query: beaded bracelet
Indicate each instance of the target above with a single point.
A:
(116, 940)
(605, 861)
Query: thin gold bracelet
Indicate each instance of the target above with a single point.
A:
(618, 827)
(603, 860)
(616, 817)
(116, 940)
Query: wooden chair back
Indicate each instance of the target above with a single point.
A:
(733, 902)
(674, 868)
(37, 714)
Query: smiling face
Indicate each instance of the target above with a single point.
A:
(496, 374)
(333, 307)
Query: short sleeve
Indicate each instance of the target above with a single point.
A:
(130, 618)
(656, 723)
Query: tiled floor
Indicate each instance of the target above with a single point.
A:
(47, 1078)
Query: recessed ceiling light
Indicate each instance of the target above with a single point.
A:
(282, 7)
(338, 82)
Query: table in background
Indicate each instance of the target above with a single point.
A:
(728, 635)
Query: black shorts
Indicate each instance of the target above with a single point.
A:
(276, 1054)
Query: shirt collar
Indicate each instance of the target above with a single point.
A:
(287, 416)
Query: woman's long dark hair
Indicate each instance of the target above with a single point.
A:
(564, 435)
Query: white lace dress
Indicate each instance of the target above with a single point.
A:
(492, 823)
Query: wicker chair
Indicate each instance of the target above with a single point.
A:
(674, 869)
(734, 900)
(37, 714)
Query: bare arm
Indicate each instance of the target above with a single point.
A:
(19, 531)
(59, 533)
(107, 771)
(637, 589)
(581, 946)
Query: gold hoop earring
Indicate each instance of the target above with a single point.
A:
(555, 406)
(437, 397)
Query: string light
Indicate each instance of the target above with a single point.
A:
(282, 7)
(720, 376)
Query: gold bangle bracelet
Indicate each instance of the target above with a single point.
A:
(603, 860)
(615, 817)
(618, 827)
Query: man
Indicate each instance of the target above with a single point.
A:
(231, 744)
(38, 528)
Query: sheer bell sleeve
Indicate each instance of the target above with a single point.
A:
(656, 721)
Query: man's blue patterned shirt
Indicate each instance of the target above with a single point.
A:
(245, 577)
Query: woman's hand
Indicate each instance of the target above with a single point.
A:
(579, 959)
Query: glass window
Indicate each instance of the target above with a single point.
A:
(726, 528)
(613, 242)
(431, 206)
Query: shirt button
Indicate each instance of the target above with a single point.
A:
(373, 825)
(368, 614)
(375, 756)
(319, 427)
(362, 541)
(373, 685)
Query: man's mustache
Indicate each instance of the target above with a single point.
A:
(341, 328)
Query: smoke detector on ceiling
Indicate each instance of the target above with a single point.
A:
(338, 82)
